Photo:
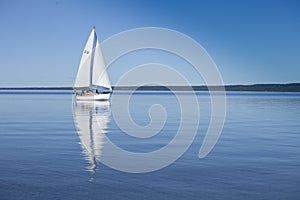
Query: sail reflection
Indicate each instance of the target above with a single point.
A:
(91, 120)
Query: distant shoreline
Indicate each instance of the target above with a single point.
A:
(290, 87)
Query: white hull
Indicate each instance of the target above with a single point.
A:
(92, 97)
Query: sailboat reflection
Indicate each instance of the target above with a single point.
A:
(91, 119)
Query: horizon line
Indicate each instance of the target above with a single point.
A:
(286, 87)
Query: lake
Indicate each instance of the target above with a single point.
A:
(52, 148)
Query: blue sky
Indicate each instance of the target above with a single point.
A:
(250, 41)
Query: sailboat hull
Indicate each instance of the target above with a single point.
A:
(92, 97)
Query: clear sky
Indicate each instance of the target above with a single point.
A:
(251, 41)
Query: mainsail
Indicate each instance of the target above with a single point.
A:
(92, 71)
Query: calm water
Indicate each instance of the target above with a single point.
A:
(46, 152)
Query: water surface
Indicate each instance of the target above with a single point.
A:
(44, 153)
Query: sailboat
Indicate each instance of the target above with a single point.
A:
(92, 82)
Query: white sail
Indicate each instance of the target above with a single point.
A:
(92, 71)
(83, 74)
(100, 77)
